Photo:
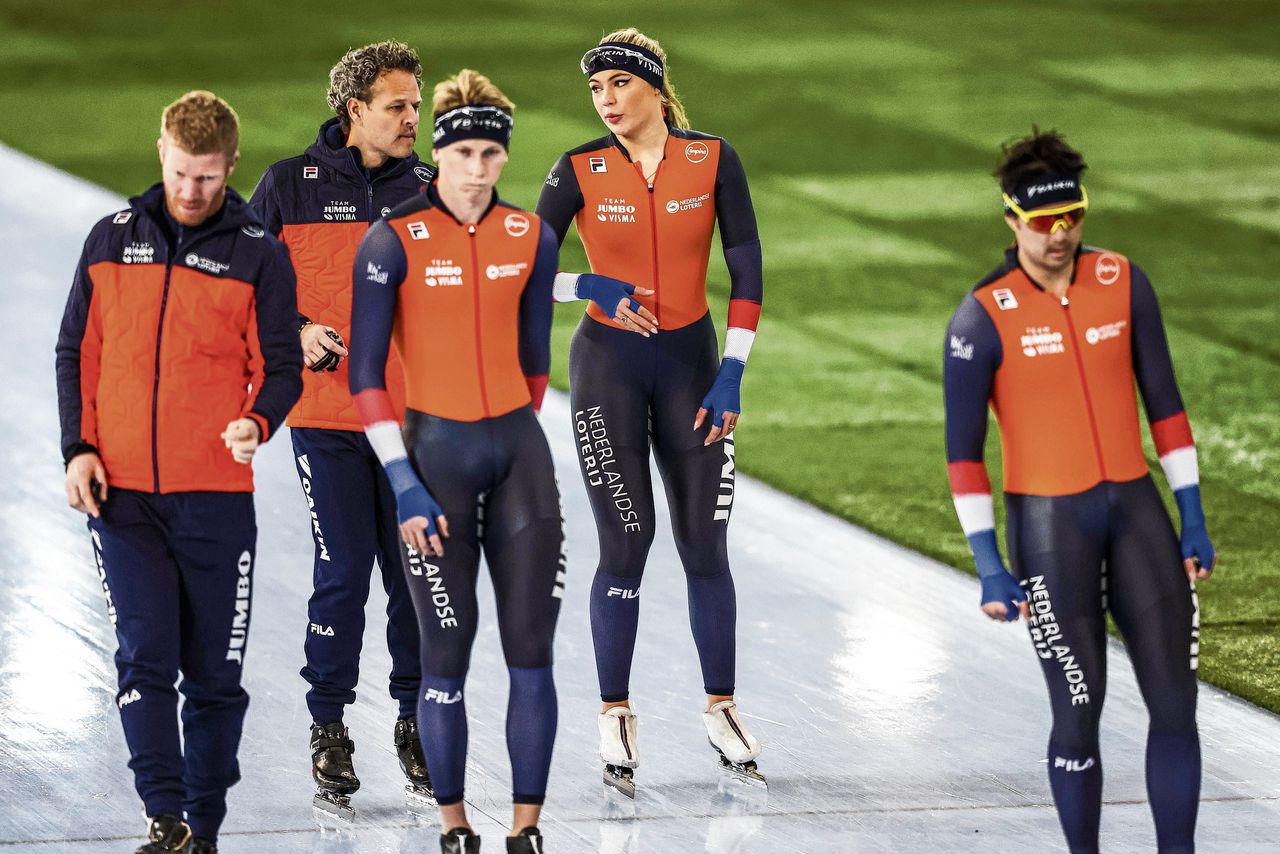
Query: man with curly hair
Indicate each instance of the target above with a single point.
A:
(320, 204)
(1054, 341)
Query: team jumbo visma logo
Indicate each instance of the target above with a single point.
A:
(517, 225)
(615, 210)
(696, 152)
(340, 211)
(1042, 341)
(1107, 268)
(442, 273)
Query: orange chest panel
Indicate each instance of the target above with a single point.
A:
(175, 369)
(1064, 393)
(322, 254)
(655, 237)
(458, 312)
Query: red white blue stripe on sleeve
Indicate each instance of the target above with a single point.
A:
(1177, 450)
(381, 426)
(971, 492)
(744, 316)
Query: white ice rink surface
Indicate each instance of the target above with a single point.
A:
(894, 717)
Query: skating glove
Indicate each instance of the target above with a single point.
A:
(412, 498)
(726, 391)
(605, 292)
(998, 584)
(1195, 538)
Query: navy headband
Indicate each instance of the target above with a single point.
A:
(1050, 188)
(473, 122)
(624, 56)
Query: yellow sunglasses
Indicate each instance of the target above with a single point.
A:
(1066, 216)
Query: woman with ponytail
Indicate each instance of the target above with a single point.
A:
(646, 198)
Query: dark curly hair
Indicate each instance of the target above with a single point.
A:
(1041, 153)
(360, 68)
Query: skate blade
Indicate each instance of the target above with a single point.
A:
(330, 805)
(743, 772)
(620, 779)
(420, 800)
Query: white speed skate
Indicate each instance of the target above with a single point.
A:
(738, 748)
(619, 749)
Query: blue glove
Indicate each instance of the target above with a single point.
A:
(605, 292)
(726, 391)
(412, 498)
(998, 585)
(1195, 538)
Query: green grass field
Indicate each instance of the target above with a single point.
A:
(868, 130)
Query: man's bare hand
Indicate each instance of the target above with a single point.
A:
(318, 341)
(242, 436)
(87, 484)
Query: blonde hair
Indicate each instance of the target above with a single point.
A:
(468, 88)
(202, 123)
(670, 100)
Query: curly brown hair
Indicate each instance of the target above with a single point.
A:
(202, 123)
(1039, 153)
(360, 68)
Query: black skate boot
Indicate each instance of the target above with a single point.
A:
(165, 833)
(418, 792)
(201, 846)
(460, 840)
(331, 768)
(528, 841)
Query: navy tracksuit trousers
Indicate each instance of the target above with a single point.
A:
(353, 523)
(178, 573)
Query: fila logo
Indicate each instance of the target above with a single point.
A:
(131, 697)
(625, 594)
(1107, 268)
(517, 225)
(310, 171)
(696, 152)
(598, 164)
(122, 217)
(1005, 299)
(434, 695)
(1073, 764)
(418, 230)
(323, 631)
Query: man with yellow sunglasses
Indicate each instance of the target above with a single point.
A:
(1054, 341)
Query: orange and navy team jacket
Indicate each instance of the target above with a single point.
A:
(320, 204)
(1059, 376)
(468, 308)
(169, 334)
(657, 235)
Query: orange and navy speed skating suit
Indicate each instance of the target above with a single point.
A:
(629, 392)
(468, 308)
(1087, 531)
(321, 204)
(170, 333)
